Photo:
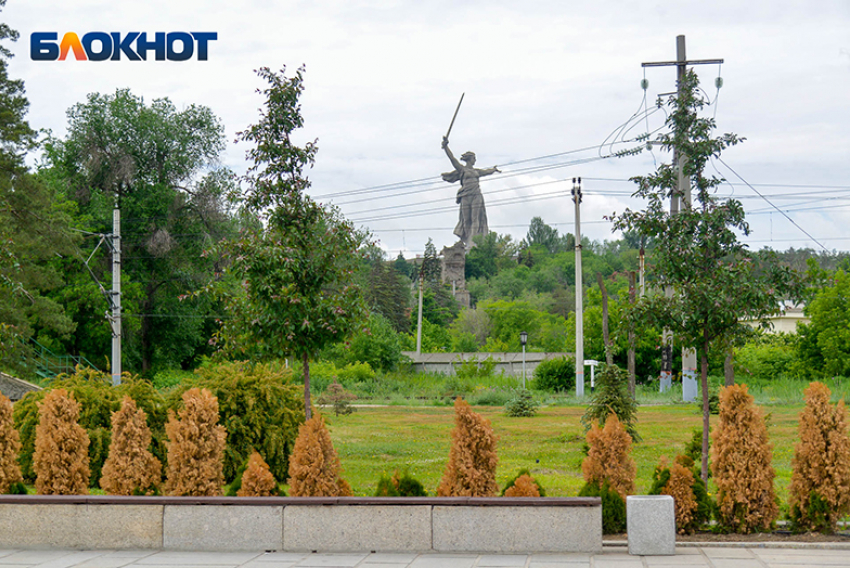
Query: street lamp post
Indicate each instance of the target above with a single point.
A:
(523, 339)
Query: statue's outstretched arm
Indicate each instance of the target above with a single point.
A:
(457, 165)
(489, 171)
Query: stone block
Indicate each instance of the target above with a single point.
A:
(222, 527)
(517, 529)
(80, 526)
(651, 525)
(384, 528)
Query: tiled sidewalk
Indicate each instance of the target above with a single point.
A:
(611, 557)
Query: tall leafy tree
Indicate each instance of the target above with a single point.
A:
(33, 230)
(716, 283)
(297, 269)
(150, 159)
(824, 343)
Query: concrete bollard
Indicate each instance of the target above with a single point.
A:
(651, 525)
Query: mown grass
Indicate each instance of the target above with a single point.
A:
(376, 441)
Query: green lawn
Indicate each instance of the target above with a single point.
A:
(376, 441)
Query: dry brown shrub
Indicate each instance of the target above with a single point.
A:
(314, 465)
(680, 488)
(10, 445)
(130, 467)
(471, 471)
(257, 481)
(195, 446)
(740, 464)
(609, 457)
(821, 462)
(524, 486)
(61, 458)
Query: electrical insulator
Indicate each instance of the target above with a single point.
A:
(644, 84)
(718, 82)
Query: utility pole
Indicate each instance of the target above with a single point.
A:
(683, 191)
(419, 317)
(579, 293)
(116, 295)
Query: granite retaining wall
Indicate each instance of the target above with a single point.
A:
(389, 524)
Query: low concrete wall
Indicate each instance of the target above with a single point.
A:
(388, 524)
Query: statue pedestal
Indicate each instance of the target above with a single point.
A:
(453, 271)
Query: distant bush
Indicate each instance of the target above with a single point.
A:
(819, 494)
(527, 480)
(523, 404)
(257, 480)
(338, 398)
(314, 470)
(471, 470)
(378, 345)
(195, 446)
(555, 375)
(472, 369)
(612, 395)
(61, 460)
(766, 358)
(490, 397)
(130, 468)
(740, 464)
(10, 445)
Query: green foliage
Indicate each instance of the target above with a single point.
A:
(400, 485)
(473, 369)
(824, 343)
(612, 395)
(613, 507)
(817, 516)
(524, 471)
(98, 399)
(765, 358)
(338, 398)
(260, 408)
(377, 345)
(555, 375)
(299, 291)
(523, 404)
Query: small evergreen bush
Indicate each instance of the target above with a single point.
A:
(400, 485)
(523, 404)
(819, 494)
(692, 503)
(608, 458)
(257, 480)
(612, 396)
(130, 468)
(195, 446)
(741, 464)
(555, 375)
(61, 460)
(613, 506)
(471, 470)
(513, 481)
(337, 397)
(10, 445)
(314, 470)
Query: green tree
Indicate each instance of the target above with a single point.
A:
(824, 343)
(715, 283)
(148, 158)
(33, 230)
(298, 269)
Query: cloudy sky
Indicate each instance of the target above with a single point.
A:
(552, 89)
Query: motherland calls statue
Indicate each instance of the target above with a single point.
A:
(473, 216)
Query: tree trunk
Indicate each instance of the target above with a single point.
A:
(705, 409)
(307, 413)
(729, 369)
(631, 355)
(609, 355)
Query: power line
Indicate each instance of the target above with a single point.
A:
(719, 159)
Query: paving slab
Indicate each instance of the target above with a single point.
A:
(330, 559)
(444, 561)
(187, 558)
(678, 560)
(498, 560)
(391, 558)
(728, 553)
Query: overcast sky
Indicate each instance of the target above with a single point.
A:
(540, 78)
